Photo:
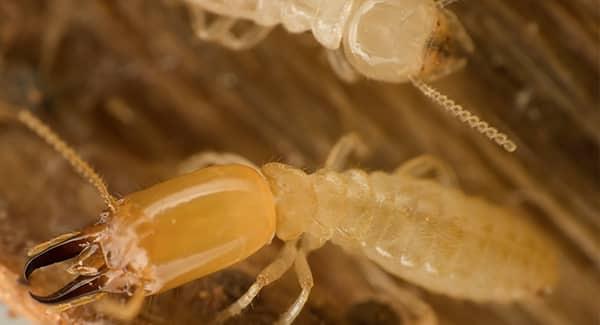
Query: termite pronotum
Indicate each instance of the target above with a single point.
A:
(386, 40)
(423, 230)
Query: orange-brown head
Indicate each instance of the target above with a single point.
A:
(164, 236)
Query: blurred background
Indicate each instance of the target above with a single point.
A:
(6, 319)
(135, 92)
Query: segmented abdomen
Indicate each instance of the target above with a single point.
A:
(325, 18)
(434, 236)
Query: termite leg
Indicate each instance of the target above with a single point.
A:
(305, 280)
(122, 311)
(215, 30)
(271, 273)
(340, 65)
(252, 36)
(220, 31)
(422, 165)
(407, 303)
(346, 145)
(210, 158)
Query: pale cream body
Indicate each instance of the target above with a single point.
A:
(388, 40)
(426, 233)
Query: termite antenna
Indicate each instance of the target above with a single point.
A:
(464, 115)
(78, 164)
(445, 3)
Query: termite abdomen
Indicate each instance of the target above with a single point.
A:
(435, 236)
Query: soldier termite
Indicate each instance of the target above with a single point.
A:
(386, 40)
(422, 230)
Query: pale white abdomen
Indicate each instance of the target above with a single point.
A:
(434, 236)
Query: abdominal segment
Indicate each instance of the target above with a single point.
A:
(437, 237)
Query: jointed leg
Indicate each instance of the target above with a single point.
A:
(215, 30)
(340, 152)
(420, 166)
(252, 36)
(220, 30)
(271, 273)
(305, 280)
(209, 158)
(406, 302)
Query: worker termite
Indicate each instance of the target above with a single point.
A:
(386, 40)
(423, 230)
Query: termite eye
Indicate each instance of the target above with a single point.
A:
(386, 40)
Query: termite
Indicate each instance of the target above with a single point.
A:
(386, 40)
(421, 229)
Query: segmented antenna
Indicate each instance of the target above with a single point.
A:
(80, 166)
(464, 115)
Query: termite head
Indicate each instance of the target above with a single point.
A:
(91, 267)
(392, 40)
(447, 48)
